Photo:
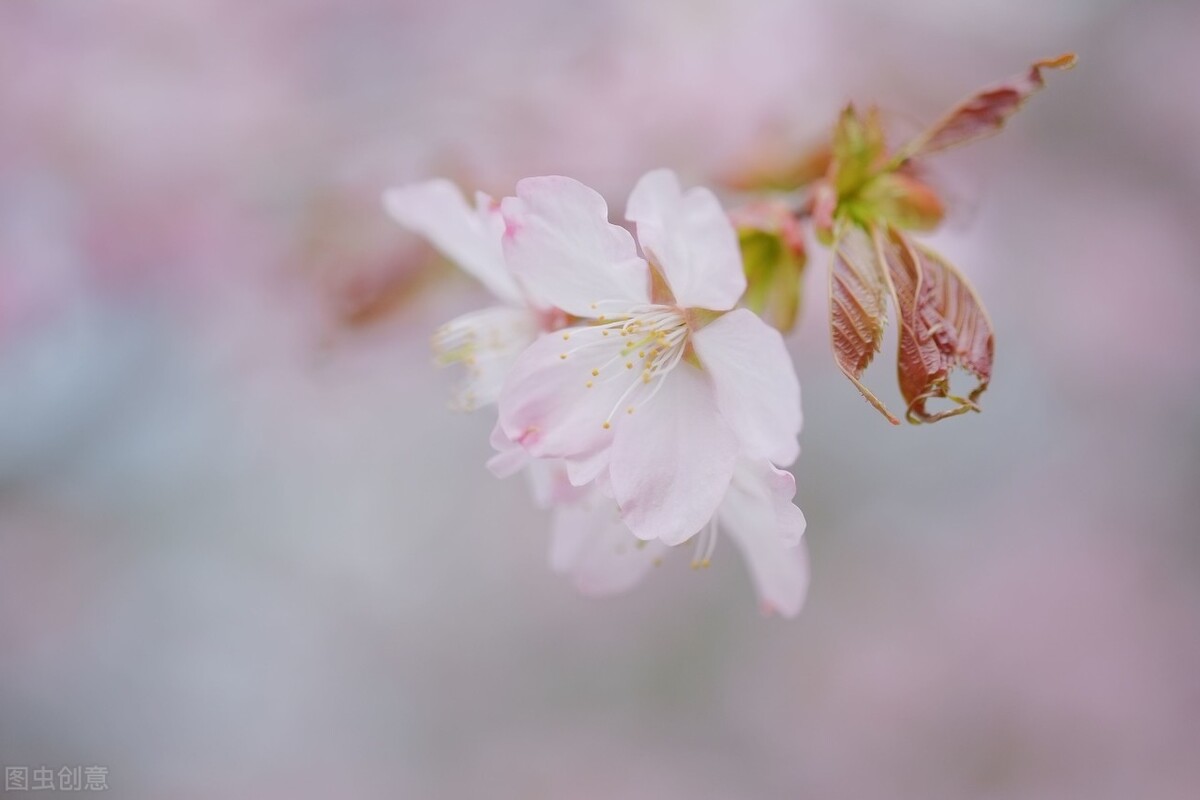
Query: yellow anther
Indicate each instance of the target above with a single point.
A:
(607, 425)
(629, 410)
(563, 356)
(588, 384)
(628, 364)
(641, 353)
(601, 318)
(595, 373)
(566, 336)
(604, 333)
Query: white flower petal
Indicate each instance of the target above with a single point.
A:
(672, 459)
(758, 514)
(562, 246)
(486, 342)
(690, 238)
(469, 237)
(757, 389)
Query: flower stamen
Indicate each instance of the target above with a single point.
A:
(706, 544)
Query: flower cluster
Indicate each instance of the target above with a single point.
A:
(646, 407)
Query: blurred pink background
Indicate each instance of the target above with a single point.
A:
(246, 552)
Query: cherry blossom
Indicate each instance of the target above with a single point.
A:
(661, 385)
(486, 341)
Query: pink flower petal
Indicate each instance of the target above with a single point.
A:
(469, 237)
(672, 459)
(756, 385)
(549, 485)
(556, 407)
(510, 457)
(596, 548)
(585, 469)
(560, 243)
(690, 238)
(758, 514)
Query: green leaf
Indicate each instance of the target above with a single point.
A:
(898, 199)
(859, 150)
(774, 256)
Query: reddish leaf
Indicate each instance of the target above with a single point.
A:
(985, 112)
(943, 325)
(857, 309)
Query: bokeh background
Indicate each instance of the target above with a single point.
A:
(247, 552)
